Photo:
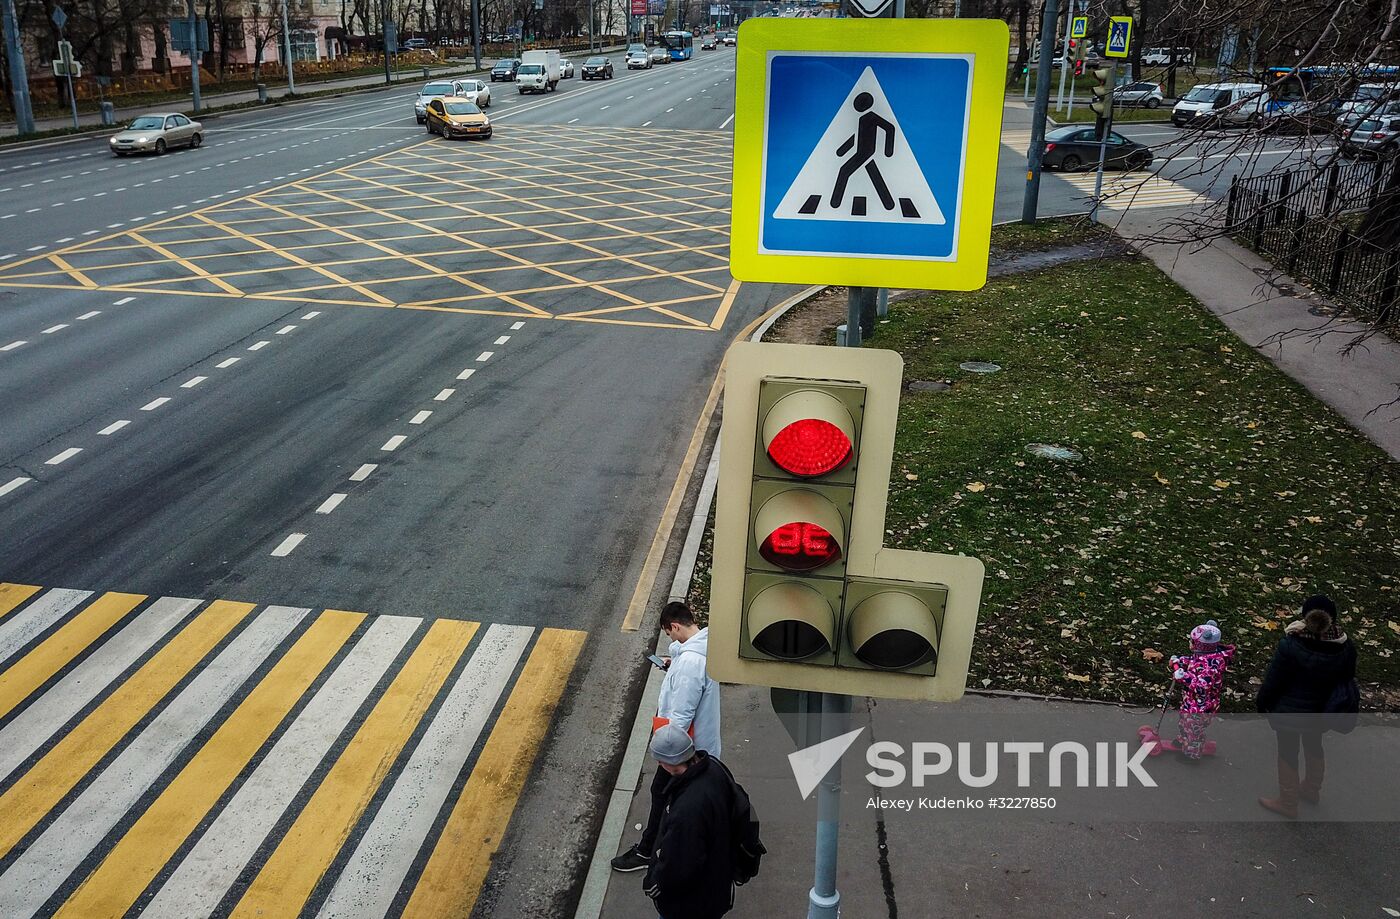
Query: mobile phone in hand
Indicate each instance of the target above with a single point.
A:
(656, 662)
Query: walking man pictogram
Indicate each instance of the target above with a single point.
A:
(865, 143)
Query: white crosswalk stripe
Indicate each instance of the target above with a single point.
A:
(1123, 191)
(184, 758)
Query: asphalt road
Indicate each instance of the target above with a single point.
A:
(328, 363)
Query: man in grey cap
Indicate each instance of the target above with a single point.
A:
(691, 874)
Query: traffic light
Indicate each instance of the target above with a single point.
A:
(803, 594)
(1102, 103)
(1079, 68)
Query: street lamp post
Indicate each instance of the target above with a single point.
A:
(19, 77)
(287, 45)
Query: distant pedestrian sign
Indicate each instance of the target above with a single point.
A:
(1120, 34)
(848, 169)
(1079, 27)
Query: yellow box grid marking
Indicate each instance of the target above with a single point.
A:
(452, 878)
(56, 651)
(136, 860)
(26, 802)
(321, 829)
(663, 193)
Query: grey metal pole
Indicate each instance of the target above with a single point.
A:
(194, 55)
(287, 46)
(68, 75)
(882, 304)
(1103, 141)
(1035, 156)
(19, 76)
(1064, 58)
(853, 300)
(476, 31)
(824, 900)
(590, 26)
(383, 35)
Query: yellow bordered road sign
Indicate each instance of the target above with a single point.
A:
(865, 151)
(1079, 27)
(1120, 36)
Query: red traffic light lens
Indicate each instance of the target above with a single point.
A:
(800, 547)
(810, 447)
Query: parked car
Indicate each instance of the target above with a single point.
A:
(474, 91)
(454, 117)
(659, 55)
(505, 69)
(157, 133)
(638, 60)
(1373, 137)
(566, 69)
(1145, 94)
(1367, 100)
(597, 68)
(1220, 104)
(416, 44)
(1353, 118)
(433, 90)
(1162, 57)
(1074, 148)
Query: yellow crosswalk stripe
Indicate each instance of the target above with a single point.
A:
(148, 845)
(12, 595)
(26, 802)
(56, 651)
(452, 879)
(302, 857)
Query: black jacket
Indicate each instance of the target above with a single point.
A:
(1303, 673)
(692, 870)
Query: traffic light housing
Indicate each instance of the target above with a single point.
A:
(803, 593)
(1079, 68)
(1102, 103)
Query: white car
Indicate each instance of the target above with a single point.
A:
(1367, 99)
(1145, 93)
(567, 66)
(156, 134)
(437, 89)
(474, 90)
(638, 60)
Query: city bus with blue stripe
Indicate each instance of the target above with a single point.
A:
(680, 45)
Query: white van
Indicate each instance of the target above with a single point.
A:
(1221, 103)
(540, 71)
(1162, 57)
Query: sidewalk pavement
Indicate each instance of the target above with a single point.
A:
(1251, 298)
(946, 863)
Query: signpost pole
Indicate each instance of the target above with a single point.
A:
(384, 35)
(1103, 139)
(194, 54)
(824, 900)
(476, 30)
(19, 77)
(1035, 156)
(1064, 57)
(287, 49)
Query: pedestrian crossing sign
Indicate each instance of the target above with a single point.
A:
(865, 151)
(1079, 27)
(1120, 34)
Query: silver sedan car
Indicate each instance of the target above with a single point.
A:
(157, 133)
(475, 90)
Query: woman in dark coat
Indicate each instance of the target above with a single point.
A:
(1311, 660)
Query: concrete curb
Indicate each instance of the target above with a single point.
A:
(595, 885)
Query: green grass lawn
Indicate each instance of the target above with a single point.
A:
(1211, 486)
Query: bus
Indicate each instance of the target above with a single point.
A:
(681, 45)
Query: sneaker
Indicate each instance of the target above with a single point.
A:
(631, 860)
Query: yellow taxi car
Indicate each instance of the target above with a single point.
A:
(452, 116)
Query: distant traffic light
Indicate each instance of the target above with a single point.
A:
(1079, 68)
(803, 594)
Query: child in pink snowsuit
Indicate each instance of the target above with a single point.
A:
(1201, 675)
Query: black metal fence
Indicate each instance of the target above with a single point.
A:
(1290, 218)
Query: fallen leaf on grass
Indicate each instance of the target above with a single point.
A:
(1267, 624)
(1152, 654)
(1139, 435)
(1393, 626)
(1221, 483)
(1313, 519)
(976, 486)
(1077, 678)
(1227, 349)
(1252, 425)
(1285, 494)
(1161, 478)
(911, 477)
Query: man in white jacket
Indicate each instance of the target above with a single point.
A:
(690, 701)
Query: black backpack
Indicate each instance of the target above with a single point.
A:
(746, 849)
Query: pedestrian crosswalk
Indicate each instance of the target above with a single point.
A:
(178, 757)
(1124, 190)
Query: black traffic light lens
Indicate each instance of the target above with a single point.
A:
(790, 640)
(896, 649)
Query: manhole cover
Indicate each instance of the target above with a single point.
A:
(929, 386)
(979, 367)
(1055, 452)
